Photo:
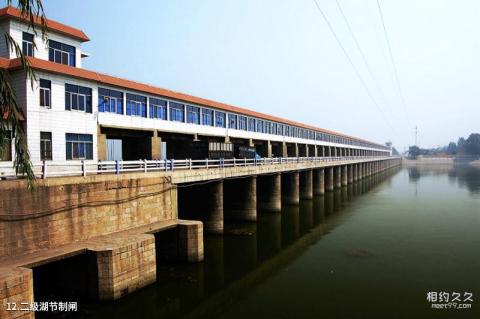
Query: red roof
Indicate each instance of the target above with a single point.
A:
(47, 66)
(52, 25)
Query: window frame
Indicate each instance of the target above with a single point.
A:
(46, 145)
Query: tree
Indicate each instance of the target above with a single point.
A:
(413, 151)
(472, 144)
(452, 148)
(10, 113)
(461, 145)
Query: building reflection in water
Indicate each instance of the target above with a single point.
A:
(245, 255)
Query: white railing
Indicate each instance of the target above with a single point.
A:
(83, 168)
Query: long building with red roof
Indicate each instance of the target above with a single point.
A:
(73, 114)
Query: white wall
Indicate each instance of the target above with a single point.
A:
(41, 52)
(57, 120)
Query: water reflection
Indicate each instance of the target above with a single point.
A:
(244, 256)
(466, 176)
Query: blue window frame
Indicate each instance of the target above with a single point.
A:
(207, 117)
(232, 121)
(251, 124)
(78, 98)
(136, 105)
(219, 119)
(79, 146)
(110, 101)
(61, 53)
(27, 44)
(177, 112)
(260, 126)
(279, 129)
(193, 114)
(157, 109)
(242, 123)
(266, 127)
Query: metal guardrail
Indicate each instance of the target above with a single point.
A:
(83, 168)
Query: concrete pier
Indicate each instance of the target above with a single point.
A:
(290, 188)
(203, 202)
(240, 199)
(306, 184)
(344, 175)
(269, 192)
(319, 181)
(337, 174)
(355, 172)
(350, 174)
(329, 179)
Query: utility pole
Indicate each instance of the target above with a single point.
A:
(416, 133)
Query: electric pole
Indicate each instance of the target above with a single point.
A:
(416, 133)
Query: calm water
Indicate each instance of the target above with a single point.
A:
(372, 250)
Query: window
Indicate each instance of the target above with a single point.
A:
(266, 127)
(279, 129)
(45, 146)
(27, 44)
(6, 152)
(251, 124)
(232, 121)
(273, 129)
(260, 126)
(45, 93)
(110, 101)
(61, 53)
(78, 98)
(79, 146)
(207, 117)
(193, 114)
(136, 105)
(177, 112)
(242, 123)
(219, 119)
(158, 109)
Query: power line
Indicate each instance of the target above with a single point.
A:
(353, 65)
(397, 80)
(364, 58)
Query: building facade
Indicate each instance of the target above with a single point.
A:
(73, 114)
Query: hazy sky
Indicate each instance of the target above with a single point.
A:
(279, 57)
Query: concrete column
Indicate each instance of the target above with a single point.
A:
(337, 174)
(344, 175)
(361, 171)
(156, 146)
(290, 188)
(296, 150)
(202, 202)
(284, 150)
(319, 181)
(355, 172)
(307, 150)
(306, 184)
(101, 145)
(240, 199)
(126, 265)
(269, 193)
(269, 149)
(329, 179)
(350, 174)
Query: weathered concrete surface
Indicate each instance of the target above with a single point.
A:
(196, 175)
(65, 210)
(306, 184)
(319, 181)
(269, 192)
(290, 188)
